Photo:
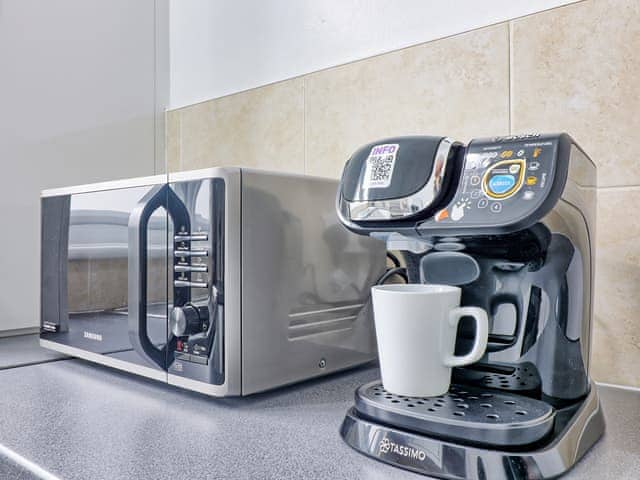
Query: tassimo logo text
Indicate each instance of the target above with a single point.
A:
(387, 446)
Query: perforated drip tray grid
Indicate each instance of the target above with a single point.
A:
(518, 379)
(468, 414)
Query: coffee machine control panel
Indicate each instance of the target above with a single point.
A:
(503, 181)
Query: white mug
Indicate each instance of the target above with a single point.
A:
(416, 326)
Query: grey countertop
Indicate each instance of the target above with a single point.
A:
(81, 421)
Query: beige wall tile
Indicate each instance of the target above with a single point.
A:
(262, 128)
(457, 87)
(576, 69)
(616, 338)
(172, 135)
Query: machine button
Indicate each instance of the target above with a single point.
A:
(190, 253)
(190, 268)
(187, 283)
(475, 180)
(483, 202)
(501, 184)
(475, 194)
(496, 207)
(504, 179)
(199, 359)
(196, 237)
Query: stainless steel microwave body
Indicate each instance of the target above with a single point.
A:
(226, 281)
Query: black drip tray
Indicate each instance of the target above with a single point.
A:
(519, 379)
(466, 414)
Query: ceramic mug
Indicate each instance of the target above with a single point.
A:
(416, 327)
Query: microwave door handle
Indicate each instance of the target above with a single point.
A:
(137, 275)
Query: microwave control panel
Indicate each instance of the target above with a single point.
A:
(189, 321)
(196, 315)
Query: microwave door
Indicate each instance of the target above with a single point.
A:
(85, 275)
(141, 331)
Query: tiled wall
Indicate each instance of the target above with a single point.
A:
(573, 69)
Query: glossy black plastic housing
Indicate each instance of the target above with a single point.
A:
(398, 181)
(414, 161)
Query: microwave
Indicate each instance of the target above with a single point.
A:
(225, 281)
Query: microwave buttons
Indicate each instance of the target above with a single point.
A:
(199, 359)
(189, 284)
(196, 237)
(191, 268)
(191, 253)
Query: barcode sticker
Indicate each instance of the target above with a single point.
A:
(379, 169)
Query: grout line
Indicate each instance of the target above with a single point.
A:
(179, 139)
(613, 188)
(27, 464)
(621, 387)
(510, 74)
(304, 123)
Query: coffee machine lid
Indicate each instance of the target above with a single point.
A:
(396, 178)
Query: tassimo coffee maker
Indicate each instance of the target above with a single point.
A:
(510, 220)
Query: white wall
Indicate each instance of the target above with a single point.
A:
(78, 104)
(220, 47)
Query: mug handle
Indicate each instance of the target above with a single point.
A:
(482, 335)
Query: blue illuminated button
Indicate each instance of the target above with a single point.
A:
(500, 184)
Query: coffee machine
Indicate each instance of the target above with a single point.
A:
(511, 221)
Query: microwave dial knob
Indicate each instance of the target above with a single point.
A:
(184, 321)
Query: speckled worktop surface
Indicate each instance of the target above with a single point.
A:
(82, 421)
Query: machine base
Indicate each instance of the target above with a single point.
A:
(577, 429)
